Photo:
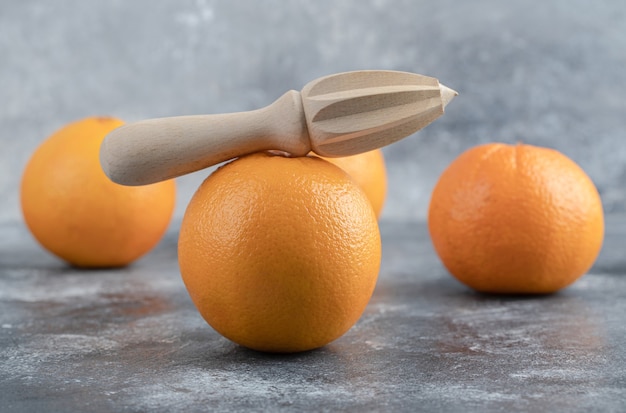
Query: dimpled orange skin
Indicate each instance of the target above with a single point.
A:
(280, 254)
(77, 213)
(516, 219)
(368, 170)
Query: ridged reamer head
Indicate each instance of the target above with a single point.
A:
(353, 112)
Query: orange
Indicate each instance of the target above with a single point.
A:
(77, 213)
(368, 170)
(279, 254)
(516, 219)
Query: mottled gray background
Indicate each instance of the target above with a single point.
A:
(548, 73)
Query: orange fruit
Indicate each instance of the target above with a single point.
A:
(516, 219)
(368, 170)
(77, 213)
(279, 254)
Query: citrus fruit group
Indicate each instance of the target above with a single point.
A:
(279, 254)
(516, 219)
(369, 172)
(77, 213)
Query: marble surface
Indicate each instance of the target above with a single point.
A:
(130, 340)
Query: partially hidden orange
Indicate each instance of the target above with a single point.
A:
(280, 254)
(516, 219)
(77, 213)
(369, 171)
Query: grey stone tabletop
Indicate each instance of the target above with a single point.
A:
(131, 340)
(544, 73)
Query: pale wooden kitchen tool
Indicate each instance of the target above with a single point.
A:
(337, 115)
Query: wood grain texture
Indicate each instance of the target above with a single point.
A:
(337, 115)
(154, 150)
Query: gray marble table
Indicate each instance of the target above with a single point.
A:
(130, 340)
